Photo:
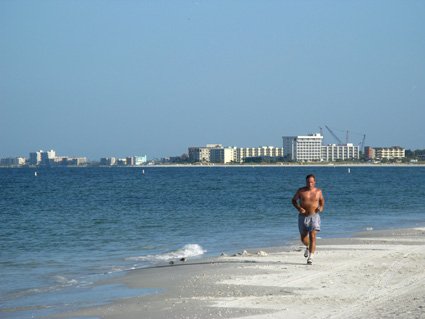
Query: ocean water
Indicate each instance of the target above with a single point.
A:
(65, 230)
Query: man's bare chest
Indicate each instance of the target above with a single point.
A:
(309, 196)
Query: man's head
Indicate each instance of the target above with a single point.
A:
(310, 181)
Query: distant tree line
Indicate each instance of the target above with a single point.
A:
(263, 159)
(415, 154)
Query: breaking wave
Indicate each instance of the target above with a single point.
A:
(187, 251)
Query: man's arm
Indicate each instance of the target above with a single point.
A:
(321, 203)
(295, 200)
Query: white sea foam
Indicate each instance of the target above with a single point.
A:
(187, 251)
(64, 281)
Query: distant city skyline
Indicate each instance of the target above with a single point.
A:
(107, 78)
(305, 148)
(328, 139)
(325, 142)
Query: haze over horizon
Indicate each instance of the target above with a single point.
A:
(117, 78)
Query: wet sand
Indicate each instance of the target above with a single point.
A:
(376, 274)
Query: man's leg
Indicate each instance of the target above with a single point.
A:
(312, 234)
(305, 238)
(312, 244)
(303, 233)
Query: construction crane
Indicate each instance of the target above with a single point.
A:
(361, 144)
(333, 134)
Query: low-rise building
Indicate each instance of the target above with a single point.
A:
(258, 152)
(140, 160)
(389, 153)
(76, 161)
(121, 161)
(108, 161)
(13, 161)
(369, 152)
(334, 152)
(202, 154)
(216, 153)
(223, 155)
(128, 161)
(395, 152)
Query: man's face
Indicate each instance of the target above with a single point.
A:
(310, 182)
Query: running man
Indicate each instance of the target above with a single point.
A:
(309, 202)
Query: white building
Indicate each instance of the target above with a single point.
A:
(263, 151)
(303, 148)
(202, 154)
(395, 152)
(140, 160)
(216, 153)
(309, 148)
(223, 155)
(334, 152)
(42, 157)
(35, 158)
(47, 157)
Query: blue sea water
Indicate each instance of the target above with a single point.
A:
(66, 229)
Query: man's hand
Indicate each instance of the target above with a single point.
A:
(302, 210)
(319, 209)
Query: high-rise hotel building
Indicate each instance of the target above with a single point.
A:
(303, 148)
(310, 148)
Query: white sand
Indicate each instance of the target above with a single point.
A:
(378, 275)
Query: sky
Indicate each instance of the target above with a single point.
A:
(122, 78)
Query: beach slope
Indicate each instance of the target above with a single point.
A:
(377, 274)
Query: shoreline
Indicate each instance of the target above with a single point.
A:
(327, 164)
(281, 165)
(379, 273)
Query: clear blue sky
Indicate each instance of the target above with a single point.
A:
(117, 78)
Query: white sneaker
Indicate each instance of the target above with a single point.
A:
(310, 259)
(306, 252)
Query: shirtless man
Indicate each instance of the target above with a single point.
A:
(309, 202)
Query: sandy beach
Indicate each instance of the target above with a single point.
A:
(376, 274)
